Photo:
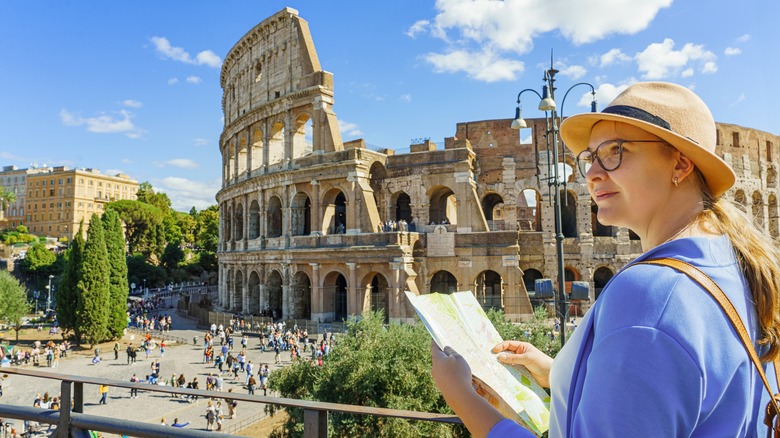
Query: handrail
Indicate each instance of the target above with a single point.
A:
(315, 412)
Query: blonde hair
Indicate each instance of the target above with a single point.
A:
(758, 257)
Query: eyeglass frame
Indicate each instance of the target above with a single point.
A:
(594, 153)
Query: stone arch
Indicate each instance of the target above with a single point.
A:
(275, 294)
(740, 200)
(773, 217)
(568, 214)
(276, 143)
(378, 290)
(301, 215)
(600, 279)
(402, 207)
(274, 217)
(529, 279)
(335, 295)
(569, 275)
(302, 136)
(238, 222)
(418, 250)
(758, 209)
(443, 205)
(254, 220)
(238, 293)
(596, 227)
(334, 215)
(256, 150)
(493, 209)
(489, 290)
(443, 282)
(253, 294)
(300, 307)
(529, 215)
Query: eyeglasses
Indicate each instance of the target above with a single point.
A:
(609, 155)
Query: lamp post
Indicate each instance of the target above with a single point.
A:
(547, 104)
(48, 299)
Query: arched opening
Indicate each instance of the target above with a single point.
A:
(302, 136)
(418, 250)
(274, 221)
(301, 297)
(740, 200)
(758, 210)
(773, 217)
(493, 209)
(257, 149)
(275, 294)
(528, 211)
(227, 162)
(334, 296)
(276, 144)
(380, 296)
(239, 221)
(596, 227)
(334, 219)
(254, 220)
(443, 206)
(403, 208)
(444, 282)
(489, 290)
(301, 215)
(529, 279)
(238, 293)
(600, 279)
(568, 214)
(253, 294)
(242, 153)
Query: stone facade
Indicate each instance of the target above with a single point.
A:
(312, 227)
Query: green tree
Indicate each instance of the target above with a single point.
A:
(38, 264)
(13, 301)
(537, 330)
(172, 256)
(207, 229)
(118, 289)
(187, 224)
(92, 308)
(138, 270)
(6, 198)
(67, 292)
(383, 366)
(147, 195)
(21, 229)
(143, 226)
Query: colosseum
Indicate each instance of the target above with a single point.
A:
(312, 227)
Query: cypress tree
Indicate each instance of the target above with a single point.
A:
(115, 246)
(93, 299)
(67, 295)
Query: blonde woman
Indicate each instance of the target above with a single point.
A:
(655, 355)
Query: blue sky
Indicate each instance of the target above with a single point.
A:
(134, 86)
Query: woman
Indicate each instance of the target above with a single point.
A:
(655, 355)
(211, 415)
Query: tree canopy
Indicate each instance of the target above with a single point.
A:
(93, 303)
(13, 301)
(118, 286)
(144, 230)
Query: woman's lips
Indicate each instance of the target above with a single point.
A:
(601, 195)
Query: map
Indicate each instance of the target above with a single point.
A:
(458, 320)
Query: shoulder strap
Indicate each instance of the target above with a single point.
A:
(708, 284)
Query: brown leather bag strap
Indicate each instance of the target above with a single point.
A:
(708, 284)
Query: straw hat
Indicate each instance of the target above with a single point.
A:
(669, 111)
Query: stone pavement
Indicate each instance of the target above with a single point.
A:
(150, 407)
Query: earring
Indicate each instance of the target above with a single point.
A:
(675, 182)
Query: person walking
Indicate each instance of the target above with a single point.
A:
(134, 391)
(220, 415)
(211, 415)
(250, 386)
(116, 350)
(103, 394)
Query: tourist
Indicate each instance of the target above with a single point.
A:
(264, 373)
(250, 385)
(656, 355)
(103, 394)
(211, 415)
(134, 391)
(220, 415)
(231, 404)
(177, 424)
(116, 350)
(162, 421)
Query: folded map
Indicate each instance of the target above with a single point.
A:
(457, 320)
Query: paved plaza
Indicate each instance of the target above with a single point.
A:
(150, 407)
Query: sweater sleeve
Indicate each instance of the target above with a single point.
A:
(507, 428)
(640, 382)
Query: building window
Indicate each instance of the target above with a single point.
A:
(735, 139)
(51, 192)
(68, 180)
(60, 181)
(44, 183)
(92, 183)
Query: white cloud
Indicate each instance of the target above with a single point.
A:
(186, 193)
(744, 38)
(184, 163)
(731, 51)
(660, 60)
(193, 80)
(130, 103)
(417, 28)
(120, 123)
(173, 81)
(406, 97)
(612, 57)
(200, 142)
(485, 66)
(164, 48)
(349, 129)
(574, 72)
(605, 93)
(688, 72)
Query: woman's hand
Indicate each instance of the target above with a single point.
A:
(525, 354)
(451, 374)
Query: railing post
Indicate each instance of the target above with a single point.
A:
(315, 423)
(78, 397)
(63, 427)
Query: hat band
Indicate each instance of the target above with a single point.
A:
(637, 113)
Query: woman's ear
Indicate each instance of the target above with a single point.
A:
(683, 166)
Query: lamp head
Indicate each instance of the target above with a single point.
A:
(547, 103)
(518, 122)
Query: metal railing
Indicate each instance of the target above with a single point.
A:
(71, 417)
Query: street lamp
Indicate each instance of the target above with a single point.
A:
(553, 120)
(48, 299)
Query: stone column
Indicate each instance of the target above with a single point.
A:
(316, 216)
(285, 290)
(235, 157)
(249, 151)
(245, 220)
(317, 300)
(352, 291)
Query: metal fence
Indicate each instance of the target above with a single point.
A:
(71, 421)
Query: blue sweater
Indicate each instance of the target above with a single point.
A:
(656, 356)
